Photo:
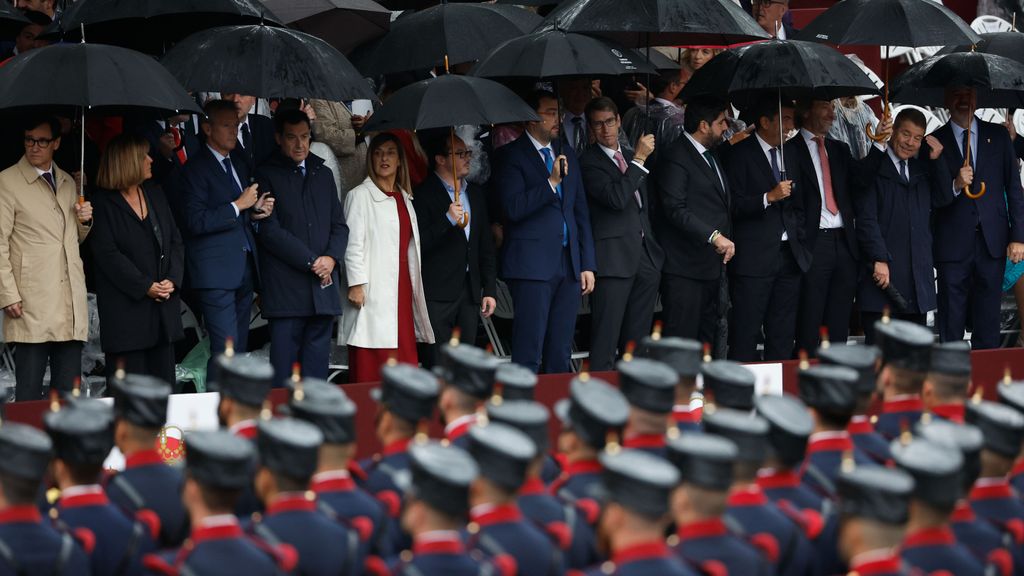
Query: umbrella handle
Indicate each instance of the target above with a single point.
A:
(886, 108)
(464, 221)
(967, 162)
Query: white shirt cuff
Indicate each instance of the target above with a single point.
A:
(640, 166)
(235, 206)
(764, 200)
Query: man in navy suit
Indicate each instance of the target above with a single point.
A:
(976, 235)
(548, 259)
(256, 143)
(219, 240)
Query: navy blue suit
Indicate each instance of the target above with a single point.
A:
(307, 222)
(36, 547)
(504, 531)
(120, 542)
(543, 276)
(145, 484)
(219, 248)
(970, 250)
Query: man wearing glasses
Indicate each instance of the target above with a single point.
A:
(42, 282)
(459, 266)
(629, 259)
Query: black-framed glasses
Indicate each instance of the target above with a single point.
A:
(41, 142)
(462, 154)
(609, 123)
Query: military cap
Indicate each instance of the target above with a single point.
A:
(1012, 394)
(681, 354)
(966, 438)
(935, 469)
(952, 358)
(860, 358)
(593, 409)
(648, 384)
(407, 391)
(289, 446)
(527, 416)
(82, 431)
(25, 451)
(831, 389)
(327, 407)
(502, 453)
(748, 431)
(789, 426)
(441, 476)
(704, 460)
(731, 383)
(141, 400)
(517, 382)
(244, 379)
(219, 459)
(1002, 426)
(905, 344)
(638, 481)
(469, 369)
(875, 493)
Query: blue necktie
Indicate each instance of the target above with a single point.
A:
(775, 165)
(549, 161)
(231, 175)
(303, 170)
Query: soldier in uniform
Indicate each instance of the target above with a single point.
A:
(864, 360)
(831, 394)
(945, 388)
(650, 388)
(288, 450)
(992, 497)
(906, 352)
(218, 467)
(1012, 394)
(467, 380)
(789, 425)
(728, 384)
(517, 382)
(778, 537)
(633, 524)
(592, 413)
(243, 383)
(873, 507)
(929, 544)
(28, 545)
(683, 356)
(82, 435)
(698, 505)
(497, 526)
(140, 408)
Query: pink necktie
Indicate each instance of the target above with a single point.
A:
(826, 177)
(621, 162)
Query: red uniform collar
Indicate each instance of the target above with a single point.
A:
(888, 564)
(216, 532)
(702, 529)
(86, 499)
(644, 441)
(909, 404)
(838, 443)
(245, 429)
(458, 427)
(532, 487)
(686, 415)
(951, 412)
(447, 545)
(778, 479)
(993, 491)
(750, 495)
(860, 427)
(962, 513)
(332, 483)
(582, 467)
(501, 514)
(291, 503)
(142, 458)
(397, 447)
(21, 513)
(941, 536)
(638, 552)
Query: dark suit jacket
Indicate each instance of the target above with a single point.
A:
(444, 249)
(214, 236)
(1000, 212)
(533, 214)
(615, 217)
(130, 255)
(757, 231)
(263, 146)
(691, 204)
(163, 167)
(846, 180)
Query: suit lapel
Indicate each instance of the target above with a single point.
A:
(945, 136)
(706, 168)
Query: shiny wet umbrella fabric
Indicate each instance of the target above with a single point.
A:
(910, 23)
(267, 62)
(344, 24)
(450, 100)
(1006, 44)
(999, 81)
(11, 20)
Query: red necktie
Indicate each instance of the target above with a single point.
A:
(179, 149)
(826, 177)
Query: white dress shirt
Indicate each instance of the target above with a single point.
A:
(767, 149)
(234, 174)
(539, 148)
(826, 219)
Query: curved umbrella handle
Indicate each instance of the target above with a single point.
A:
(973, 195)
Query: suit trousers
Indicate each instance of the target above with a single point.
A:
(975, 285)
(690, 307)
(623, 310)
(770, 302)
(31, 360)
(303, 339)
(462, 312)
(156, 361)
(227, 314)
(545, 319)
(827, 292)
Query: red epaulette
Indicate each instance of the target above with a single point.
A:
(156, 563)
(150, 520)
(392, 502)
(86, 539)
(767, 545)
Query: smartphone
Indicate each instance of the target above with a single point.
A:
(327, 284)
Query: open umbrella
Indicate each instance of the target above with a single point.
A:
(1007, 44)
(267, 62)
(553, 53)
(11, 20)
(343, 24)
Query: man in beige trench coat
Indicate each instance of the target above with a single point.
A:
(42, 281)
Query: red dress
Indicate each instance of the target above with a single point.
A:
(364, 363)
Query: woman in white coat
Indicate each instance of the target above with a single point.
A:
(386, 311)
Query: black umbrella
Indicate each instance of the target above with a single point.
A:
(11, 20)
(1007, 44)
(344, 24)
(554, 53)
(267, 62)
(530, 2)
(462, 32)
(153, 25)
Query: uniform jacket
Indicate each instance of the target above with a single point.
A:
(504, 531)
(36, 547)
(120, 542)
(144, 484)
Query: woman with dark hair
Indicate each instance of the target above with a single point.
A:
(139, 259)
(386, 310)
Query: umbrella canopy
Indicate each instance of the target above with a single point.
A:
(910, 23)
(450, 100)
(530, 2)
(91, 76)
(152, 25)
(266, 62)
(11, 20)
(343, 24)
(554, 53)
(798, 69)
(660, 22)
(1006, 44)
(998, 80)
(463, 32)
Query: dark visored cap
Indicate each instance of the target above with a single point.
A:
(936, 470)
(1002, 426)
(748, 431)
(502, 453)
(527, 416)
(407, 391)
(790, 425)
(731, 383)
(289, 446)
(244, 379)
(141, 400)
(863, 359)
(704, 460)
(832, 389)
(441, 476)
(875, 493)
(594, 408)
(905, 344)
(966, 438)
(639, 481)
(648, 384)
(327, 407)
(951, 358)
(517, 382)
(219, 459)
(82, 432)
(681, 354)
(25, 451)
(468, 369)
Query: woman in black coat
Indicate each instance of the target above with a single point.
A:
(139, 259)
